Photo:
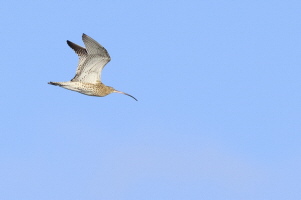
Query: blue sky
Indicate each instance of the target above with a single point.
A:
(218, 116)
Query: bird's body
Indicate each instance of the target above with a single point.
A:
(91, 62)
(96, 89)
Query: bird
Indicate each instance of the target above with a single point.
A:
(87, 79)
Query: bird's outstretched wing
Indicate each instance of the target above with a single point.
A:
(91, 60)
(82, 55)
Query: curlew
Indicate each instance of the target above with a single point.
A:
(87, 79)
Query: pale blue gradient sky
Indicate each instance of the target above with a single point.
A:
(218, 116)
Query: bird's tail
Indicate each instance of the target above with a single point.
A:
(54, 83)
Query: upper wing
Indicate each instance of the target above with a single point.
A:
(94, 47)
(92, 60)
(82, 54)
(91, 69)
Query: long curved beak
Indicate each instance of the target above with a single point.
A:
(125, 94)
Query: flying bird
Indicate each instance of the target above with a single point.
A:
(87, 79)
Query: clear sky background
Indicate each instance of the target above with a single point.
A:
(218, 116)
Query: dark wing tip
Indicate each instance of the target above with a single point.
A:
(87, 37)
(78, 49)
(84, 35)
(69, 44)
